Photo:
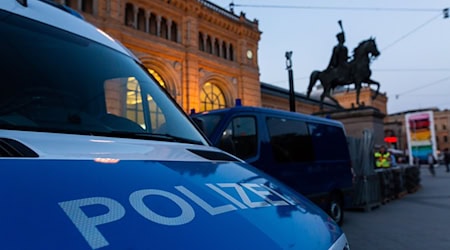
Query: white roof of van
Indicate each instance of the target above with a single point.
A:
(48, 14)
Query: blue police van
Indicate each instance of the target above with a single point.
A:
(94, 154)
(308, 153)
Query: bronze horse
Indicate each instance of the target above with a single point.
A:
(357, 72)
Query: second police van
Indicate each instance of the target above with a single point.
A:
(308, 153)
(94, 154)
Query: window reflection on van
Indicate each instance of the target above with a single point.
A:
(239, 138)
(124, 99)
(289, 140)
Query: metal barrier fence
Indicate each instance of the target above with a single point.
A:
(398, 181)
(411, 179)
(374, 187)
(367, 192)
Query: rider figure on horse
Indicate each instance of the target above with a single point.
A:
(342, 72)
(339, 59)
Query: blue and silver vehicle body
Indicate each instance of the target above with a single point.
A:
(95, 155)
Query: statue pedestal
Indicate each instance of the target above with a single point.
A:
(357, 120)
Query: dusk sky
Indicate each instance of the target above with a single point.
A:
(413, 37)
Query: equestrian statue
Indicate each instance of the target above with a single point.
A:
(341, 71)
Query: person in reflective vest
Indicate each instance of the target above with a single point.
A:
(382, 158)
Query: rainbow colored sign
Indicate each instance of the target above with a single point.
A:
(420, 135)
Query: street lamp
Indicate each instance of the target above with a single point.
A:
(291, 80)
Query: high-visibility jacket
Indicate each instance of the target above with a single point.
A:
(382, 160)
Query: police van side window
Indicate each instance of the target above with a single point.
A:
(240, 137)
(329, 142)
(289, 140)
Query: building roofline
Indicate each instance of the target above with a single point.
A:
(216, 8)
(282, 92)
(414, 110)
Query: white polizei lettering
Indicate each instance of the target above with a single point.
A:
(256, 188)
(290, 201)
(187, 212)
(88, 225)
(244, 195)
(227, 196)
(203, 204)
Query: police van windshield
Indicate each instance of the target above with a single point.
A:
(55, 81)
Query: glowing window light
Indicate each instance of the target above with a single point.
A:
(211, 97)
(157, 77)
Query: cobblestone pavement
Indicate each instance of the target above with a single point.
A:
(419, 220)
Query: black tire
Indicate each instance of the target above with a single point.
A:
(336, 209)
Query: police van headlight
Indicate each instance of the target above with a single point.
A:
(340, 244)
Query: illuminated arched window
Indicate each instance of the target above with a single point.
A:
(156, 114)
(211, 97)
(157, 77)
(134, 101)
(134, 110)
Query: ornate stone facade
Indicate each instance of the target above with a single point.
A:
(204, 55)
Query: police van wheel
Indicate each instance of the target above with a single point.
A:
(335, 209)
